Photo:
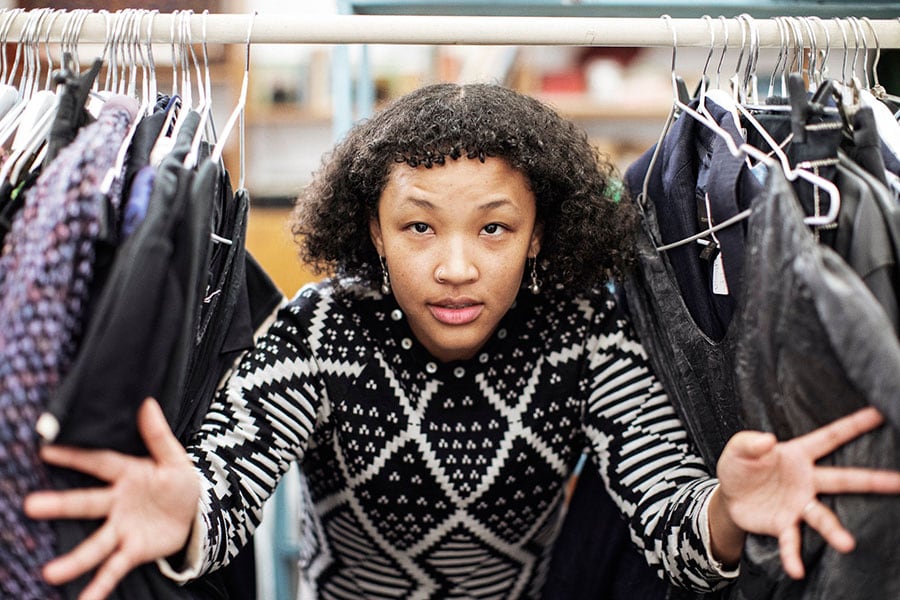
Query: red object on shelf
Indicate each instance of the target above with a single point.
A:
(563, 81)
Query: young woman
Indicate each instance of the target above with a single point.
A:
(439, 389)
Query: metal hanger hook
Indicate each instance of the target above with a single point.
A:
(724, 22)
(877, 57)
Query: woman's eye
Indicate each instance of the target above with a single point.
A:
(493, 229)
(420, 227)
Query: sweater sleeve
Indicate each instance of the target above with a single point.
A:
(261, 421)
(643, 452)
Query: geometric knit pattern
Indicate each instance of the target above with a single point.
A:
(446, 480)
(46, 270)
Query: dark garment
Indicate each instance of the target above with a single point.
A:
(45, 277)
(693, 162)
(696, 371)
(71, 115)
(868, 235)
(811, 135)
(218, 300)
(135, 328)
(865, 149)
(137, 322)
(695, 368)
(593, 556)
(145, 137)
(138, 200)
(815, 345)
(238, 297)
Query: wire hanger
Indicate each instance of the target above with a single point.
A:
(131, 19)
(745, 149)
(205, 107)
(238, 112)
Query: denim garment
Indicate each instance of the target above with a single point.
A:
(821, 349)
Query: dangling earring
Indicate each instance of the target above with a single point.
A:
(385, 278)
(535, 286)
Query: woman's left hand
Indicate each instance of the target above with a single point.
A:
(769, 487)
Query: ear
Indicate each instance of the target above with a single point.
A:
(534, 247)
(375, 234)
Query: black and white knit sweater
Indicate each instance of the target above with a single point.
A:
(445, 480)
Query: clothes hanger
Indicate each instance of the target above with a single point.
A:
(25, 85)
(887, 125)
(175, 118)
(204, 108)
(9, 95)
(744, 149)
(238, 112)
(34, 122)
(819, 74)
(130, 45)
(677, 93)
(34, 141)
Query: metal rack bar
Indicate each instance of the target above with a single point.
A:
(469, 30)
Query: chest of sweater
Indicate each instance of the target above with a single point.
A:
(465, 443)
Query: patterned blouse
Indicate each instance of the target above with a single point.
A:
(446, 480)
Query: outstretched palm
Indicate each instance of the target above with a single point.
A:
(771, 487)
(148, 507)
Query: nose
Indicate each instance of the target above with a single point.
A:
(456, 265)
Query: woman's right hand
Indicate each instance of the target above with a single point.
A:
(149, 506)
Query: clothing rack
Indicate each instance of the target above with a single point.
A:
(470, 30)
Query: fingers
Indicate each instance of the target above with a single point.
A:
(85, 557)
(822, 519)
(827, 438)
(102, 464)
(107, 577)
(162, 444)
(789, 548)
(844, 480)
(752, 444)
(91, 503)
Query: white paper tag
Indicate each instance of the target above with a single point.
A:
(720, 284)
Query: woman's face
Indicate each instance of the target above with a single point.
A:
(456, 238)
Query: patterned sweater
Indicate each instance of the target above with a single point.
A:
(446, 480)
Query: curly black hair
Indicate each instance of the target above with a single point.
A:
(588, 233)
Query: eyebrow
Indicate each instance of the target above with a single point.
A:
(427, 205)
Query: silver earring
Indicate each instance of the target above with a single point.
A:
(385, 278)
(535, 286)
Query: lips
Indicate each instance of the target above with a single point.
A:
(456, 312)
